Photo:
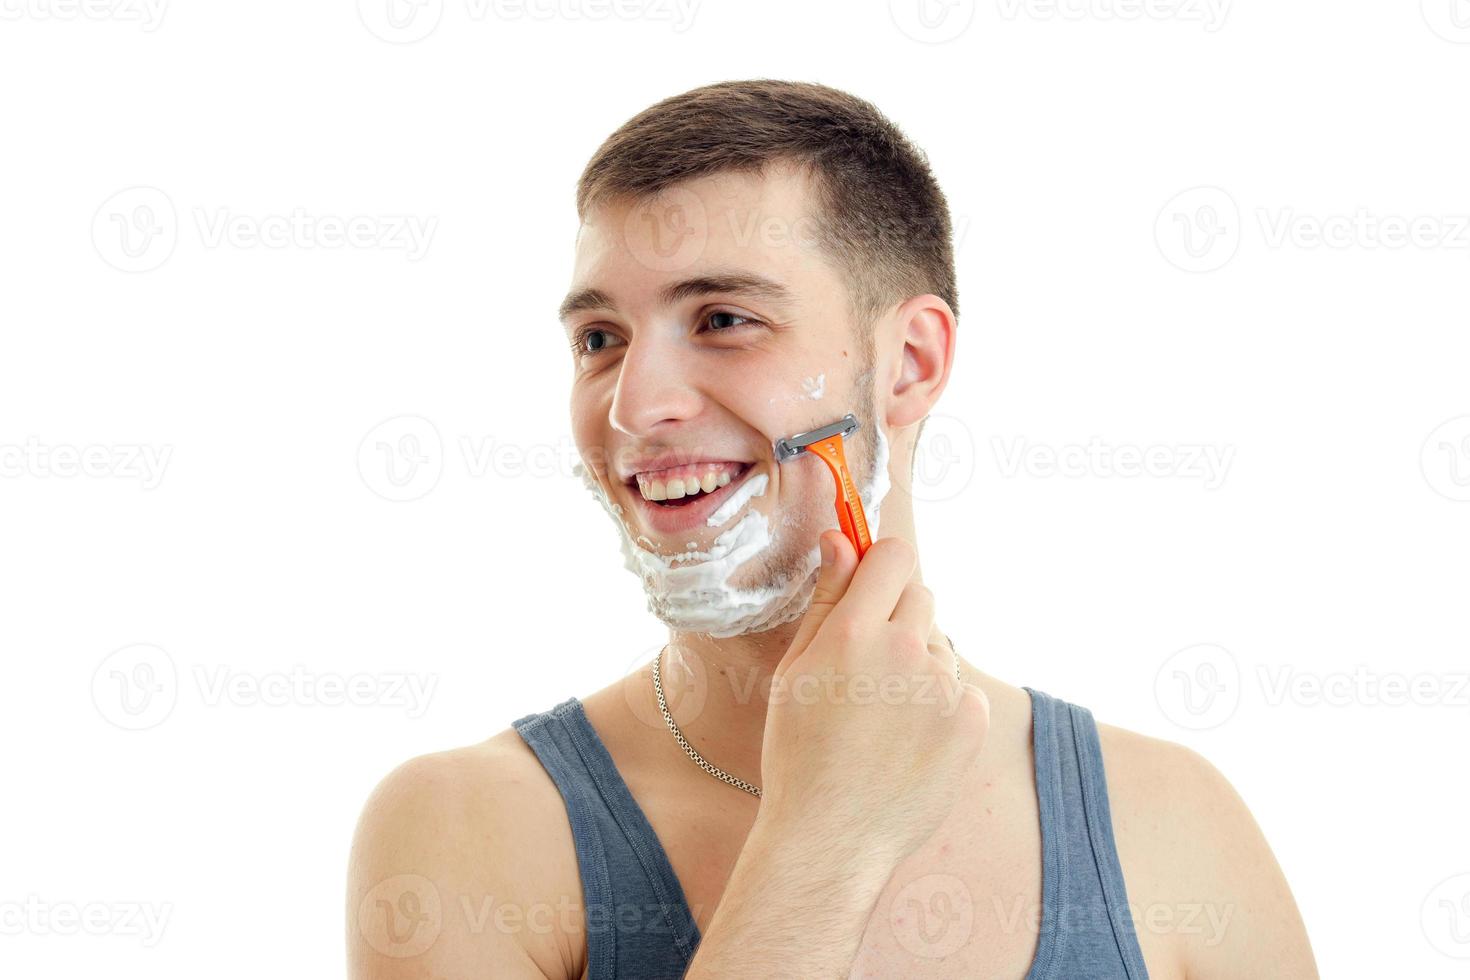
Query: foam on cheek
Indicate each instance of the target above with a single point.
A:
(753, 487)
(811, 388)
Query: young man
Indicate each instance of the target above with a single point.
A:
(824, 798)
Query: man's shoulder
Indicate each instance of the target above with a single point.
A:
(1175, 799)
(480, 836)
(1156, 773)
(457, 797)
(1199, 872)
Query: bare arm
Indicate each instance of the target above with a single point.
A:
(438, 882)
(1260, 930)
(1208, 895)
(796, 905)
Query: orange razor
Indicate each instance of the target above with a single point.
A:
(826, 444)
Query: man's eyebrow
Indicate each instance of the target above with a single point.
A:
(584, 299)
(745, 283)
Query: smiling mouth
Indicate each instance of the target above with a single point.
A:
(685, 511)
(687, 485)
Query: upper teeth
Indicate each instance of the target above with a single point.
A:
(716, 476)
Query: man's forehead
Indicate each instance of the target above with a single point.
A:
(725, 233)
(779, 189)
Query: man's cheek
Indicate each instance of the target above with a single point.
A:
(800, 392)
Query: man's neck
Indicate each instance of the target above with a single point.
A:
(719, 690)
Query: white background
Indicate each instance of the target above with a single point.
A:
(1330, 551)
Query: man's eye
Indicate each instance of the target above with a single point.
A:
(590, 341)
(720, 320)
(593, 340)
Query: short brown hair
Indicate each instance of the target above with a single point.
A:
(883, 219)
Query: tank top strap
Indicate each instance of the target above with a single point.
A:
(638, 921)
(1087, 928)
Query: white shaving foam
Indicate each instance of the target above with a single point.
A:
(696, 595)
(753, 487)
(691, 591)
(878, 486)
(812, 388)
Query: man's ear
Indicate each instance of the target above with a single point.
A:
(927, 327)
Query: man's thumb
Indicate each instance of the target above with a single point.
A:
(839, 562)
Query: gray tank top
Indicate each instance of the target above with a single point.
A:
(638, 922)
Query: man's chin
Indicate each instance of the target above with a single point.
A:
(738, 607)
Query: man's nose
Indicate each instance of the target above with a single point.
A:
(656, 383)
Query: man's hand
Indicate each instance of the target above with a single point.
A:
(877, 752)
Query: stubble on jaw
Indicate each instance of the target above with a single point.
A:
(795, 530)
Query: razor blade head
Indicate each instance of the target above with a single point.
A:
(794, 446)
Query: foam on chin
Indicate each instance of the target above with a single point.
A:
(691, 591)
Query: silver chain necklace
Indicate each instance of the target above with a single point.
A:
(715, 771)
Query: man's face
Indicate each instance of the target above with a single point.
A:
(716, 328)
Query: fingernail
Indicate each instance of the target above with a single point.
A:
(827, 550)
